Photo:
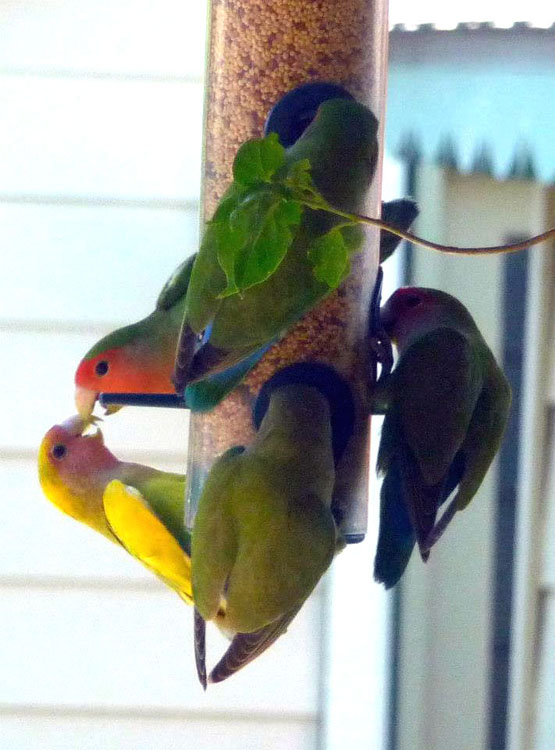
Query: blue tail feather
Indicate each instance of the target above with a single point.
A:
(205, 394)
(396, 538)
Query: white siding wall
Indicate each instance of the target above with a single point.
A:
(99, 178)
(534, 653)
(447, 605)
(356, 680)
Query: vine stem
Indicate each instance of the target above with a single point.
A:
(451, 249)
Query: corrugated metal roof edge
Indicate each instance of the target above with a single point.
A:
(471, 27)
(522, 165)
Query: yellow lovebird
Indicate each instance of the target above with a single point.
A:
(136, 506)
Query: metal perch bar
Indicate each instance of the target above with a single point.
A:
(165, 400)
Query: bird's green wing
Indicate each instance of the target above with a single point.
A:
(285, 549)
(434, 388)
(176, 286)
(164, 492)
(484, 432)
(438, 381)
(214, 542)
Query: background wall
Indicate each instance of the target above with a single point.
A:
(99, 179)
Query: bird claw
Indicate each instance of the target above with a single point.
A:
(439, 528)
(381, 346)
(378, 339)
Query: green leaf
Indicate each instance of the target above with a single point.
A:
(258, 160)
(228, 203)
(254, 225)
(298, 175)
(329, 255)
(269, 240)
(299, 182)
(227, 239)
(254, 241)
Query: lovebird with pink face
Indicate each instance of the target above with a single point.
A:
(136, 506)
(446, 406)
(138, 358)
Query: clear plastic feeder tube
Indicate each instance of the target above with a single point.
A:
(257, 51)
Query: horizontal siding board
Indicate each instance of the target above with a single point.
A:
(38, 385)
(133, 649)
(165, 38)
(89, 264)
(357, 645)
(110, 138)
(69, 733)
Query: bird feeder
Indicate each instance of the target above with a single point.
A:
(258, 51)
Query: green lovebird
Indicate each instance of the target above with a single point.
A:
(136, 506)
(264, 533)
(446, 406)
(340, 146)
(138, 358)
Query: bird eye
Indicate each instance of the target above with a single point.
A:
(59, 451)
(101, 368)
(413, 300)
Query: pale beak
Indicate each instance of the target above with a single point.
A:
(77, 425)
(74, 425)
(85, 400)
